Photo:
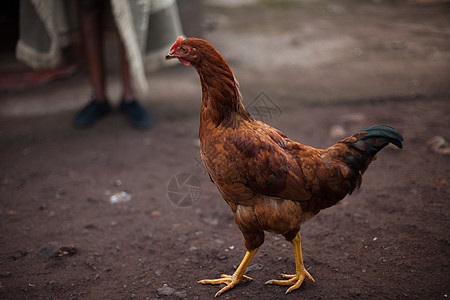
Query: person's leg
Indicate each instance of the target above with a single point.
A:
(136, 113)
(92, 39)
(92, 42)
(128, 94)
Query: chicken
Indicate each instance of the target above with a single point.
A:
(270, 182)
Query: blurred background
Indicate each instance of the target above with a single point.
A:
(343, 51)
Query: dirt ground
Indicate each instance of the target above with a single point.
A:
(357, 64)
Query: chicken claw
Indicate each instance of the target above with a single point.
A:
(234, 279)
(230, 282)
(297, 279)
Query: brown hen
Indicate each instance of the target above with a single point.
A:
(271, 182)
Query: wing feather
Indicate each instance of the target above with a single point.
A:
(263, 163)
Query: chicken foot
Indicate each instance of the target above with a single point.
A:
(237, 276)
(295, 280)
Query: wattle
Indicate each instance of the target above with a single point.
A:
(185, 62)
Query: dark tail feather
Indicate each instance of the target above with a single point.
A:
(367, 143)
(375, 138)
(355, 154)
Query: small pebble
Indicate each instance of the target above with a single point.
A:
(254, 267)
(166, 290)
(50, 250)
(337, 131)
(181, 294)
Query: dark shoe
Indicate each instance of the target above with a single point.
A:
(93, 112)
(136, 113)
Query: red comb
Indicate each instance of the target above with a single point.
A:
(177, 42)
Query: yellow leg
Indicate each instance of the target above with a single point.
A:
(295, 280)
(237, 276)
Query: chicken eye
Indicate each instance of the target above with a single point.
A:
(184, 49)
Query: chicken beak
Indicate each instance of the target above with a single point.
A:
(170, 56)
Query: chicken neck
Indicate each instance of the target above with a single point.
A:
(221, 98)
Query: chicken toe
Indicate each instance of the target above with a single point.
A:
(301, 273)
(229, 281)
(295, 280)
(234, 279)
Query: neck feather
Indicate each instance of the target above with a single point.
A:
(221, 98)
